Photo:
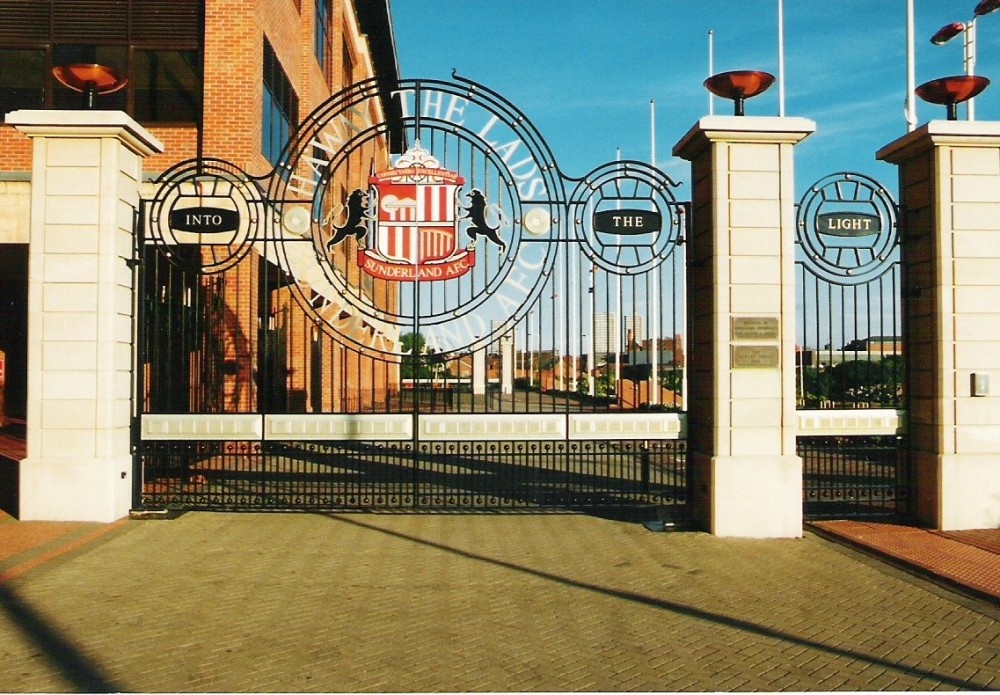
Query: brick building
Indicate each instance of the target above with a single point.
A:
(226, 79)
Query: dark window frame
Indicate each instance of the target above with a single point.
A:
(134, 27)
(322, 31)
(279, 106)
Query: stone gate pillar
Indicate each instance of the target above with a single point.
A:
(747, 478)
(85, 180)
(949, 183)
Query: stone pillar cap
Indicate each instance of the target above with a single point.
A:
(742, 129)
(936, 133)
(85, 124)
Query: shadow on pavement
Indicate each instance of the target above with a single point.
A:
(72, 664)
(696, 613)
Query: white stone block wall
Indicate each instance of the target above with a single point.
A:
(741, 266)
(85, 180)
(950, 200)
(15, 208)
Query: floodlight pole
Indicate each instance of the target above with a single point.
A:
(968, 31)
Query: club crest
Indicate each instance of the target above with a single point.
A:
(409, 223)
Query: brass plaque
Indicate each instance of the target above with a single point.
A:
(755, 328)
(755, 357)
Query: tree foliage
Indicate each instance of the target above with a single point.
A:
(415, 364)
(878, 383)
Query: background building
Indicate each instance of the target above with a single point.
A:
(209, 78)
(609, 335)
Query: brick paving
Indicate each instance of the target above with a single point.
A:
(387, 603)
(25, 545)
(986, 539)
(968, 560)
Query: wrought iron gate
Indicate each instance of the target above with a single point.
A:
(850, 360)
(417, 312)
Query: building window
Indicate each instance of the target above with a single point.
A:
(281, 107)
(347, 75)
(321, 33)
(22, 79)
(157, 45)
(166, 86)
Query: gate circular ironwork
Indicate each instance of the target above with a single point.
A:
(206, 215)
(466, 215)
(626, 217)
(846, 227)
(455, 238)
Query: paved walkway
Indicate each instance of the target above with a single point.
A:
(349, 603)
(966, 561)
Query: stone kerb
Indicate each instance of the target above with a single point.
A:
(85, 178)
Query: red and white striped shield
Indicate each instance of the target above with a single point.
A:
(416, 231)
(416, 222)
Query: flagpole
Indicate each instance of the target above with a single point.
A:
(970, 64)
(711, 70)
(911, 79)
(781, 58)
(591, 353)
(617, 331)
(528, 356)
(652, 132)
(573, 336)
(561, 327)
(653, 353)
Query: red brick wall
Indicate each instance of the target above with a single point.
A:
(15, 149)
(232, 92)
(179, 143)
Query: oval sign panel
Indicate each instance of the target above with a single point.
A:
(627, 222)
(848, 224)
(204, 220)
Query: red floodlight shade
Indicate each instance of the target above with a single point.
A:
(947, 33)
(985, 7)
(949, 91)
(744, 83)
(952, 90)
(739, 85)
(83, 76)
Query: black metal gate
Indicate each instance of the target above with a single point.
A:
(629, 478)
(850, 356)
(416, 313)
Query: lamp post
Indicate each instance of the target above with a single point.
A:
(968, 31)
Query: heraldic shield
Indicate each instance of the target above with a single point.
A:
(416, 224)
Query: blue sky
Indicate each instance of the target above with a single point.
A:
(584, 71)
